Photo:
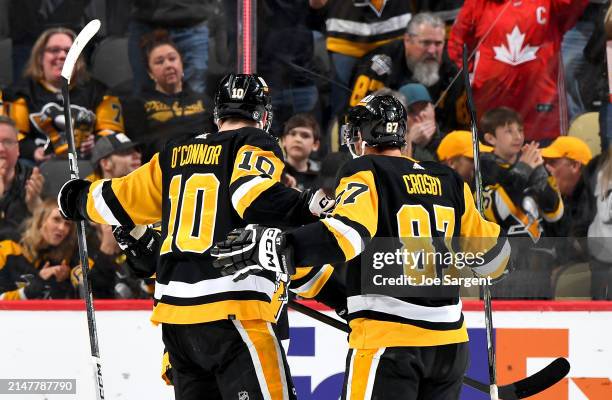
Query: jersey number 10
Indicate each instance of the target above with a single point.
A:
(195, 216)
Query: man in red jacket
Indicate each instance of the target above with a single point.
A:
(517, 60)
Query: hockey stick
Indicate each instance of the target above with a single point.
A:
(77, 47)
(529, 386)
(486, 293)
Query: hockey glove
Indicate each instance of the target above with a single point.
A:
(319, 203)
(68, 199)
(141, 246)
(251, 250)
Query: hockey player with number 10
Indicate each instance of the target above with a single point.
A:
(201, 187)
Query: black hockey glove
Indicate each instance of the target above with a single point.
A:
(251, 250)
(36, 287)
(69, 199)
(141, 247)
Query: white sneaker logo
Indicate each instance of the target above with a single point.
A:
(515, 53)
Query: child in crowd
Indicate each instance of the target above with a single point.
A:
(299, 140)
(518, 193)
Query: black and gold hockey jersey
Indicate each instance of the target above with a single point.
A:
(382, 197)
(201, 188)
(38, 111)
(386, 67)
(15, 266)
(154, 117)
(356, 27)
(518, 197)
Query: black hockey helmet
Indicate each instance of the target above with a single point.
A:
(378, 121)
(243, 96)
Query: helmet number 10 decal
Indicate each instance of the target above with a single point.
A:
(238, 93)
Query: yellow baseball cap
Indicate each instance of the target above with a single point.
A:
(568, 147)
(458, 143)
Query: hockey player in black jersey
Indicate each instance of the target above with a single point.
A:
(201, 187)
(400, 347)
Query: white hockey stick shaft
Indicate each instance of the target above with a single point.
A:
(75, 51)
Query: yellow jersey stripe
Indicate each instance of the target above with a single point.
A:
(8, 248)
(348, 239)
(359, 200)
(497, 265)
(248, 192)
(16, 294)
(312, 288)
(300, 272)
(239, 309)
(362, 371)
(373, 334)
(354, 49)
(98, 210)
(267, 360)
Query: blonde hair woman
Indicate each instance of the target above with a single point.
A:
(37, 107)
(39, 265)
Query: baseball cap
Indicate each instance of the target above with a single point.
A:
(415, 92)
(458, 143)
(568, 147)
(107, 145)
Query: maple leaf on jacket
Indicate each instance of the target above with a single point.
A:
(515, 53)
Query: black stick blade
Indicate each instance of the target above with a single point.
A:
(537, 382)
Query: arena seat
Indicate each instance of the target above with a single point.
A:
(56, 173)
(573, 281)
(586, 127)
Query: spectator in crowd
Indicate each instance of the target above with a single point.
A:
(354, 29)
(186, 23)
(109, 275)
(36, 103)
(20, 184)
(518, 193)
(600, 229)
(38, 266)
(171, 108)
(418, 58)
(457, 151)
(299, 140)
(567, 160)
(423, 134)
(516, 65)
(115, 156)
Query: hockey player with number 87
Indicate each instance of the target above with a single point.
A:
(409, 347)
(201, 187)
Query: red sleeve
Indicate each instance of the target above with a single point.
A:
(567, 12)
(463, 31)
